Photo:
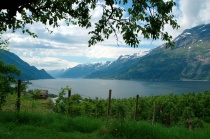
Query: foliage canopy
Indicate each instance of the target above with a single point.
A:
(131, 19)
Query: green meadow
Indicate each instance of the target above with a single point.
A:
(87, 118)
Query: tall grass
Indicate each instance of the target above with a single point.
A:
(38, 126)
(27, 104)
(37, 121)
(145, 130)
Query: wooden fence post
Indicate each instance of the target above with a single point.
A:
(109, 102)
(189, 124)
(169, 120)
(18, 96)
(69, 97)
(136, 110)
(153, 118)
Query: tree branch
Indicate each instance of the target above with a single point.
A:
(32, 9)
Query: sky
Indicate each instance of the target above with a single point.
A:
(67, 46)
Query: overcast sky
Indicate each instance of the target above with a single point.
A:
(67, 46)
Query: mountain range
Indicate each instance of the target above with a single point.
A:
(188, 60)
(79, 71)
(27, 72)
(85, 70)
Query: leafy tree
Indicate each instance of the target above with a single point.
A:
(61, 105)
(144, 18)
(7, 73)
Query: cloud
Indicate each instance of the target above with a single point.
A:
(98, 51)
(190, 13)
(194, 12)
(47, 62)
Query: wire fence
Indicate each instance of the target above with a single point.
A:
(155, 110)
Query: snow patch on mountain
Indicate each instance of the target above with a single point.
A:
(187, 33)
(176, 39)
(125, 58)
(202, 27)
(94, 65)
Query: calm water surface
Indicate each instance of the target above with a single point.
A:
(120, 88)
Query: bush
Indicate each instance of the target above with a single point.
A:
(36, 94)
(197, 123)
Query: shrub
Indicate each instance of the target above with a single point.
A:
(197, 123)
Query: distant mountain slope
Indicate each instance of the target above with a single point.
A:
(27, 72)
(191, 36)
(82, 70)
(190, 59)
(56, 73)
(118, 66)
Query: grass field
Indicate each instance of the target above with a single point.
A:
(26, 125)
(37, 121)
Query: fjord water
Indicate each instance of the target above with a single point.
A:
(120, 88)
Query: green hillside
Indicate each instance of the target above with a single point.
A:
(190, 62)
(27, 72)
